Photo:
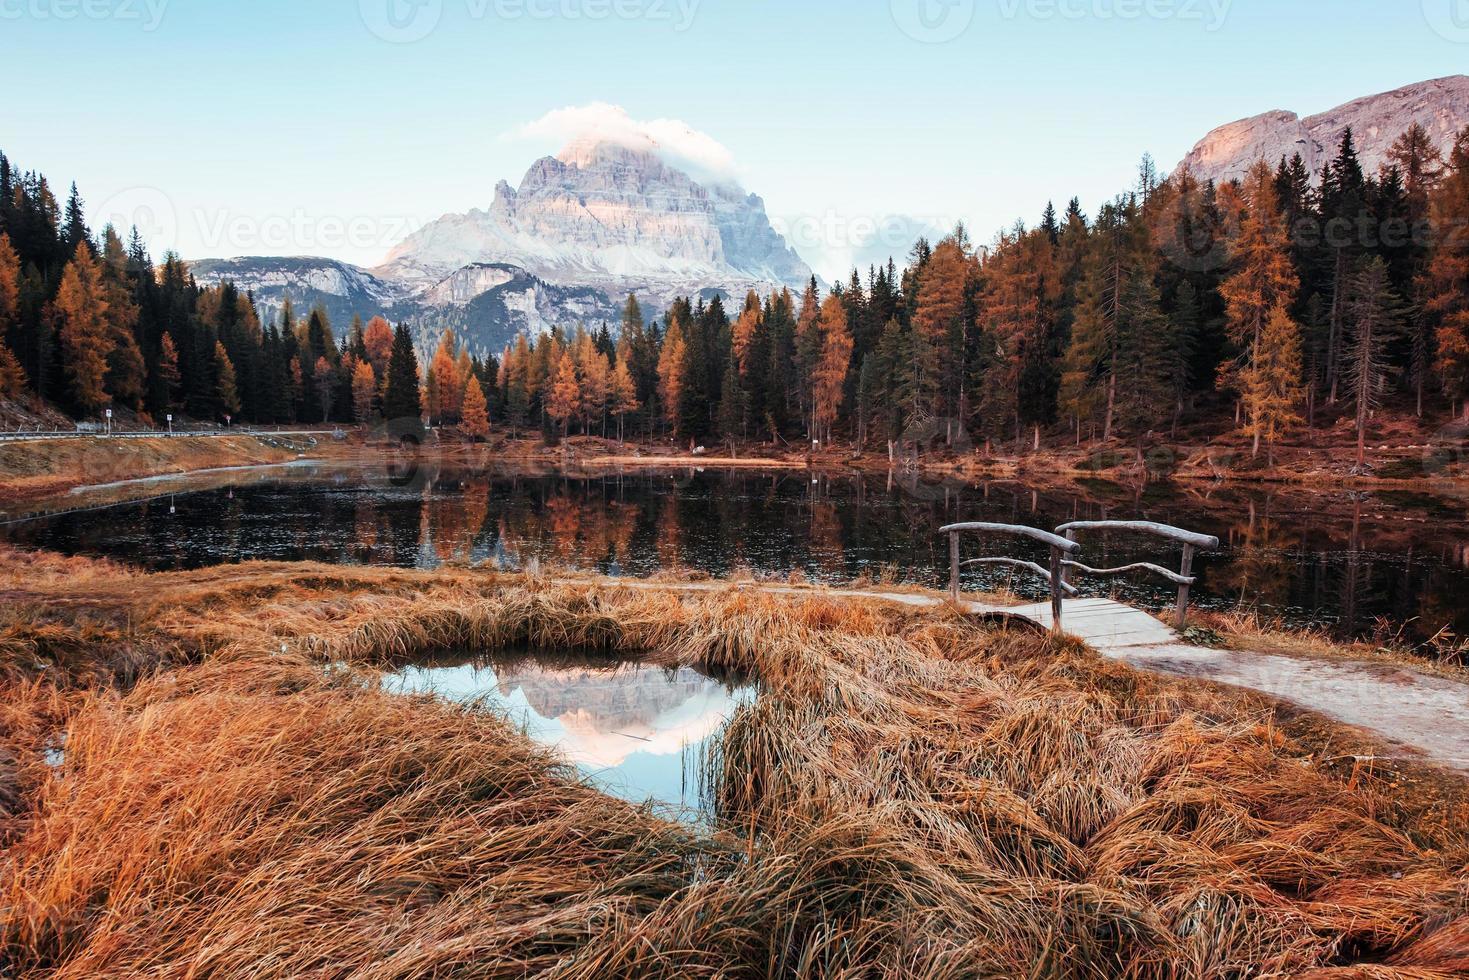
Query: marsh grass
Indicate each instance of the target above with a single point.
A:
(913, 794)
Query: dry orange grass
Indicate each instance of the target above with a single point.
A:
(912, 795)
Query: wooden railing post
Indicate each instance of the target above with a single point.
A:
(1187, 572)
(1192, 542)
(954, 565)
(1058, 586)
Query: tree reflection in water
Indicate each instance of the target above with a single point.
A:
(1309, 556)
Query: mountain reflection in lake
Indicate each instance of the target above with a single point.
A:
(637, 731)
(1333, 558)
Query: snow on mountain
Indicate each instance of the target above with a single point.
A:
(1227, 153)
(340, 288)
(605, 215)
(582, 231)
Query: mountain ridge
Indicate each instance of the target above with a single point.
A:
(1227, 152)
(581, 231)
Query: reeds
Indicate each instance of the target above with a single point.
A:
(912, 794)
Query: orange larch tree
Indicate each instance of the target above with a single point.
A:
(831, 367)
(475, 423)
(81, 309)
(1264, 279)
(671, 374)
(563, 401)
(364, 392)
(1446, 289)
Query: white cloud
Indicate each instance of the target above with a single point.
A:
(678, 143)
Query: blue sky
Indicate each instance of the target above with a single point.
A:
(329, 127)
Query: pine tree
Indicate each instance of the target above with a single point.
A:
(1271, 383)
(733, 402)
(81, 308)
(780, 384)
(514, 368)
(9, 286)
(227, 395)
(377, 342)
(1374, 314)
(475, 421)
(168, 371)
(808, 351)
(1013, 323)
(127, 374)
(319, 341)
(324, 376)
(75, 232)
(624, 395)
(364, 392)
(1090, 368)
(1417, 157)
(941, 329)
(402, 405)
(564, 400)
(1264, 279)
(1446, 281)
(12, 376)
(672, 373)
(1343, 199)
(832, 365)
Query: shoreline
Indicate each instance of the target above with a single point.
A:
(26, 491)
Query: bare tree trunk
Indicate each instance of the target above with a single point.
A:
(1334, 336)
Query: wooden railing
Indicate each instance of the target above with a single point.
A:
(1060, 548)
(1191, 541)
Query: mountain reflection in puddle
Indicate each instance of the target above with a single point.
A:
(637, 730)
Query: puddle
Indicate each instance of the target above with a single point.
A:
(637, 731)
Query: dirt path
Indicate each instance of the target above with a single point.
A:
(1428, 716)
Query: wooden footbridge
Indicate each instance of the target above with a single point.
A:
(1106, 625)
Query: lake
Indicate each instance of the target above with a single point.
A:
(1358, 563)
(637, 731)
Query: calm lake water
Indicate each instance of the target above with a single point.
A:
(638, 732)
(1359, 563)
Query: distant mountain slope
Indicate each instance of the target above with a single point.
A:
(1441, 105)
(486, 305)
(601, 215)
(583, 230)
(340, 288)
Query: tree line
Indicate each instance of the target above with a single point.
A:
(89, 322)
(1268, 304)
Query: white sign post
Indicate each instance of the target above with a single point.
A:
(170, 425)
(109, 421)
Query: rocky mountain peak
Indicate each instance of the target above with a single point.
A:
(1227, 153)
(611, 216)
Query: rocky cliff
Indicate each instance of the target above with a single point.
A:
(583, 229)
(1227, 153)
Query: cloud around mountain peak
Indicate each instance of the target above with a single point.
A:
(675, 142)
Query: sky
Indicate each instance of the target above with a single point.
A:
(335, 127)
